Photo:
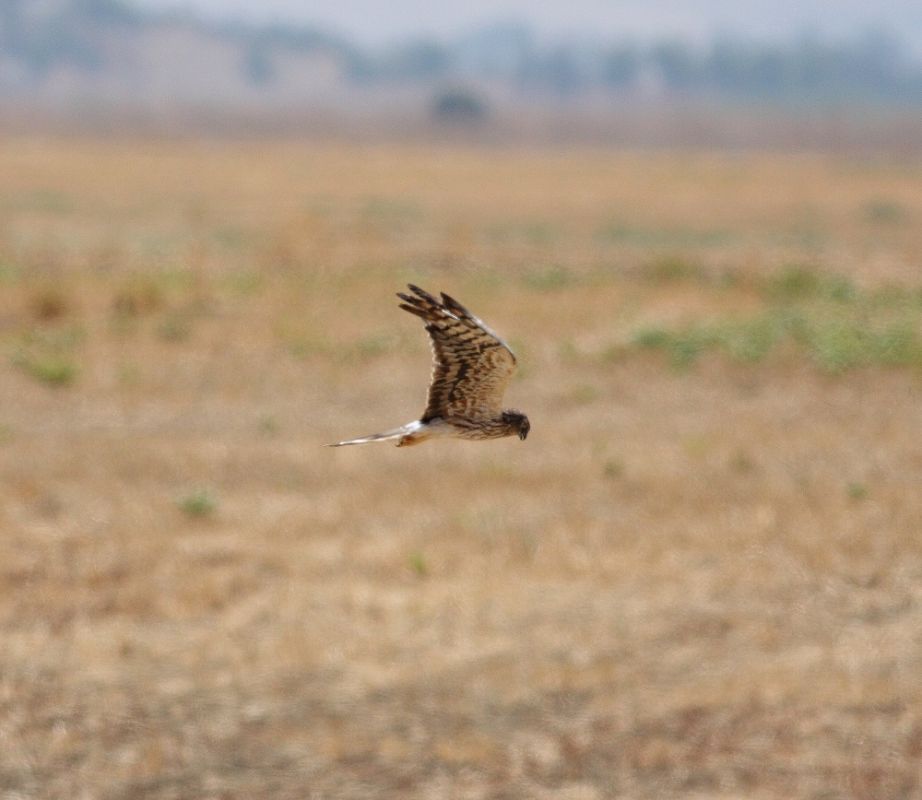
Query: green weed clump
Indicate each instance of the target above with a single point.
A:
(674, 238)
(672, 269)
(175, 327)
(268, 425)
(823, 317)
(199, 504)
(842, 345)
(48, 355)
(798, 282)
(857, 491)
(683, 346)
(835, 344)
(418, 564)
(9, 274)
(885, 212)
(370, 347)
(549, 279)
(48, 369)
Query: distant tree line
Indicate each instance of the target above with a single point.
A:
(39, 36)
(871, 66)
(36, 37)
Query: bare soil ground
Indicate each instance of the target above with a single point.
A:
(700, 577)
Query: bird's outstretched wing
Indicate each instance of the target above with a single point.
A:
(471, 364)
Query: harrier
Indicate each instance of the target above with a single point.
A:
(471, 367)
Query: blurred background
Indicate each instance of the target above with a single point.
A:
(759, 73)
(698, 224)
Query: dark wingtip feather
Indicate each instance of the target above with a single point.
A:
(419, 312)
(453, 305)
(423, 294)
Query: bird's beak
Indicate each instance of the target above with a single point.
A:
(523, 434)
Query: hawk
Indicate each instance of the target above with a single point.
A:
(470, 370)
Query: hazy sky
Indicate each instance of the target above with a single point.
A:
(376, 21)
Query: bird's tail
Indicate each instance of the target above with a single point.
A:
(396, 433)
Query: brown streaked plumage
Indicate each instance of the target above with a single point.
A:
(470, 371)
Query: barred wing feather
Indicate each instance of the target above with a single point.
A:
(471, 364)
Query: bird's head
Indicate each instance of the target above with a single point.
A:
(517, 422)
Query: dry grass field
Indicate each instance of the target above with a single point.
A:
(700, 577)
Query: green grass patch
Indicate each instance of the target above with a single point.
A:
(677, 238)
(129, 375)
(799, 282)
(47, 202)
(245, 281)
(821, 316)
(386, 215)
(549, 279)
(199, 504)
(537, 233)
(306, 346)
(231, 237)
(895, 297)
(583, 394)
(741, 462)
(175, 327)
(178, 279)
(885, 212)
(50, 369)
(856, 491)
(672, 269)
(370, 347)
(683, 346)
(568, 352)
(9, 273)
(418, 565)
(268, 425)
(843, 344)
(540, 233)
(47, 355)
(835, 343)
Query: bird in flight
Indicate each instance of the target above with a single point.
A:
(470, 370)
